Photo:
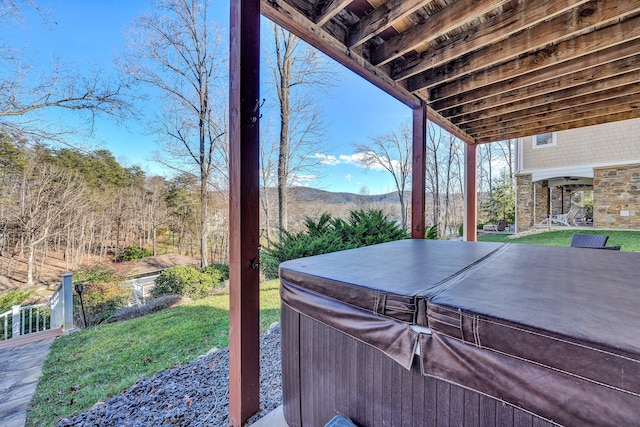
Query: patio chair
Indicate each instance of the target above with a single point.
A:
(589, 241)
(574, 215)
(560, 219)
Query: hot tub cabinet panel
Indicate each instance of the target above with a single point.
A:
(437, 333)
(333, 373)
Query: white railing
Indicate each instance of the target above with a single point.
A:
(29, 319)
(33, 318)
(5, 320)
(141, 288)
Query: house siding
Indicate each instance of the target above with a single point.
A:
(587, 145)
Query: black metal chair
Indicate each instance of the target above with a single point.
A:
(611, 248)
(588, 241)
(591, 241)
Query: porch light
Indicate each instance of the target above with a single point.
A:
(79, 288)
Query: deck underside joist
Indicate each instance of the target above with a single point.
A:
(489, 70)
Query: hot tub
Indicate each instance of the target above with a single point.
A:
(421, 332)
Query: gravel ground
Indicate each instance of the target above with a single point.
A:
(192, 395)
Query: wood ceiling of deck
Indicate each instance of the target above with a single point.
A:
(488, 70)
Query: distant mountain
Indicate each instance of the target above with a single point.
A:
(307, 195)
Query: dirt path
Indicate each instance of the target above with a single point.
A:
(55, 265)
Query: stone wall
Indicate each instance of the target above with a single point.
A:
(542, 201)
(560, 200)
(616, 191)
(524, 205)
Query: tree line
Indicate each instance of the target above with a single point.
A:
(84, 203)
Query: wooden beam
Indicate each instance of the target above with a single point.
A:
(602, 91)
(418, 172)
(434, 26)
(244, 209)
(501, 136)
(382, 18)
(521, 16)
(582, 111)
(470, 192)
(480, 107)
(536, 41)
(445, 124)
(283, 14)
(331, 10)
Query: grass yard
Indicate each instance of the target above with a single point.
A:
(628, 240)
(97, 363)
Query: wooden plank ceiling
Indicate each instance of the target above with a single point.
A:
(488, 70)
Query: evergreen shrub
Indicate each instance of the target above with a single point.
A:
(362, 228)
(135, 252)
(13, 297)
(187, 281)
(222, 268)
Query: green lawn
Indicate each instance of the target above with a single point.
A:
(628, 240)
(97, 363)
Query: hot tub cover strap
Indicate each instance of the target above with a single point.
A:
(558, 396)
(393, 338)
(406, 309)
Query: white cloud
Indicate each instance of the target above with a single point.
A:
(348, 177)
(300, 180)
(356, 159)
(301, 177)
(353, 159)
(327, 159)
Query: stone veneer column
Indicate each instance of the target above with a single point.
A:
(556, 201)
(616, 189)
(542, 201)
(524, 205)
(567, 200)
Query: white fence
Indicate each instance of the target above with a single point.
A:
(29, 319)
(141, 288)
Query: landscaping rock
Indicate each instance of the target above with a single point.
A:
(196, 394)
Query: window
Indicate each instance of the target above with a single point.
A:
(544, 140)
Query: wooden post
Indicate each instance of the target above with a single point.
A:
(470, 192)
(418, 172)
(244, 222)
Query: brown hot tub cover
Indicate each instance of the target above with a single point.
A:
(555, 331)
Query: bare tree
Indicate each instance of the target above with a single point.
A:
(391, 152)
(25, 92)
(176, 51)
(435, 142)
(157, 215)
(43, 196)
(12, 11)
(268, 177)
(298, 69)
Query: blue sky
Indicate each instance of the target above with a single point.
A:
(89, 34)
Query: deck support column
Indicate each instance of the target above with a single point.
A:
(418, 172)
(470, 192)
(244, 220)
